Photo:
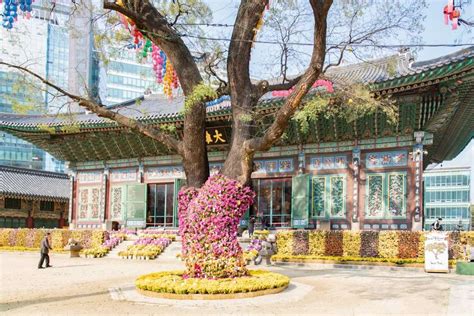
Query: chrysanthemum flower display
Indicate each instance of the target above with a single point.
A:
(208, 221)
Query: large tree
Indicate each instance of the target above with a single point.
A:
(209, 216)
(346, 25)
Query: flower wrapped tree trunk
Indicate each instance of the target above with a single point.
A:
(208, 220)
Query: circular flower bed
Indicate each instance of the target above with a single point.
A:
(171, 284)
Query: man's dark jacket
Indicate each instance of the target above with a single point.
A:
(45, 245)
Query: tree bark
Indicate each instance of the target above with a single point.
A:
(238, 164)
(154, 25)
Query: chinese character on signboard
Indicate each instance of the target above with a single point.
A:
(215, 136)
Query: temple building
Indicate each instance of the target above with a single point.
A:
(33, 198)
(363, 175)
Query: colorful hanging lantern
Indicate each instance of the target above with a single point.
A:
(164, 71)
(10, 11)
(157, 60)
(451, 13)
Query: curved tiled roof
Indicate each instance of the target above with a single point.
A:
(20, 182)
(383, 73)
(154, 108)
(372, 71)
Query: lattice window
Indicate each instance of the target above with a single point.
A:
(337, 197)
(116, 193)
(89, 203)
(95, 197)
(328, 196)
(396, 195)
(375, 196)
(83, 203)
(386, 195)
(319, 196)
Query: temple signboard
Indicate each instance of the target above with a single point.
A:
(216, 136)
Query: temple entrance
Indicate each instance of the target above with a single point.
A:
(160, 205)
(273, 202)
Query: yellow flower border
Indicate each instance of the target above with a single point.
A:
(352, 260)
(172, 282)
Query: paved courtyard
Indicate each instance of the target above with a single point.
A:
(79, 286)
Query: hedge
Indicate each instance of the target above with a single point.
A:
(28, 238)
(365, 244)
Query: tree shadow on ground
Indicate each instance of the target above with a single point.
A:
(43, 300)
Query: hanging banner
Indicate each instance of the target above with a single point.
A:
(436, 252)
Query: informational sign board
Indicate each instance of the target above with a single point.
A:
(436, 252)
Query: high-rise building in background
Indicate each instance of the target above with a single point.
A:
(58, 46)
(127, 77)
(447, 196)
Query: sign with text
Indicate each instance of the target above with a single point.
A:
(216, 136)
(436, 252)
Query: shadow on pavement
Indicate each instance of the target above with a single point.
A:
(71, 266)
(43, 300)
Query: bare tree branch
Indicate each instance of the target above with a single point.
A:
(284, 114)
(154, 25)
(101, 111)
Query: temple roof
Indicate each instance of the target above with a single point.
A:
(95, 138)
(34, 184)
(382, 73)
(372, 71)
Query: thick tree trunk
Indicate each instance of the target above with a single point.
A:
(194, 151)
(238, 164)
(156, 27)
(244, 97)
(195, 162)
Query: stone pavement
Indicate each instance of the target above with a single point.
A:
(79, 286)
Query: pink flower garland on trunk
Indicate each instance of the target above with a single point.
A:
(208, 222)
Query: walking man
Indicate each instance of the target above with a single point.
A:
(45, 247)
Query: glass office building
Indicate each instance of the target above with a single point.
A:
(447, 196)
(45, 43)
(128, 76)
